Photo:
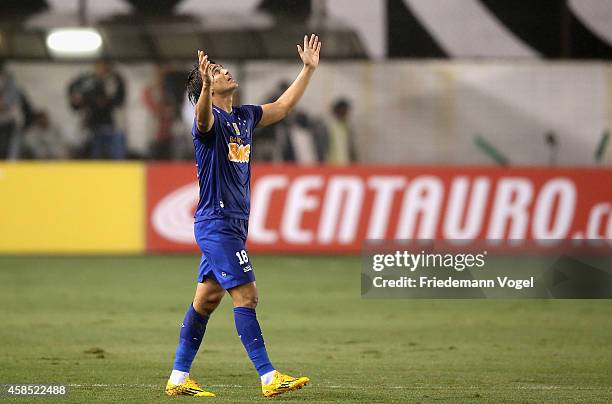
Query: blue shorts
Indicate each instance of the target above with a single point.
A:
(224, 254)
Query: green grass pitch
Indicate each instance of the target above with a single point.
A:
(107, 327)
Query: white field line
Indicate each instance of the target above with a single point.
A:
(353, 387)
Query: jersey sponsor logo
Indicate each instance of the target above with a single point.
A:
(239, 153)
(247, 268)
(235, 139)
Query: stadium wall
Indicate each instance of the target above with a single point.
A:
(417, 112)
(135, 208)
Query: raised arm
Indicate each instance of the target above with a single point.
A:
(203, 108)
(280, 108)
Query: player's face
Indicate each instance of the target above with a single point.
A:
(223, 80)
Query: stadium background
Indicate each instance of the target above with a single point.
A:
(471, 119)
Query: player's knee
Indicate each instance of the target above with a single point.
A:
(251, 301)
(246, 300)
(203, 308)
(205, 305)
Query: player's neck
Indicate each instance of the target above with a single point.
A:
(224, 102)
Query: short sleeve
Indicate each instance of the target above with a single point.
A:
(255, 111)
(196, 132)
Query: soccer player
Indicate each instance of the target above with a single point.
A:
(222, 136)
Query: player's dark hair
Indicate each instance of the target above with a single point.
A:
(193, 84)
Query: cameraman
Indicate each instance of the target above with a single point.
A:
(96, 95)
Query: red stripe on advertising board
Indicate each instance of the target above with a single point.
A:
(319, 209)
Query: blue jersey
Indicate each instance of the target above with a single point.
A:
(223, 162)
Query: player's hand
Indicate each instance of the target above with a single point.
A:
(206, 69)
(310, 53)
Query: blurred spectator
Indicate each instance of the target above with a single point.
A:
(25, 122)
(15, 115)
(156, 100)
(307, 139)
(320, 136)
(9, 110)
(183, 143)
(298, 145)
(297, 138)
(97, 95)
(269, 141)
(43, 140)
(172, 139)
(341, 147)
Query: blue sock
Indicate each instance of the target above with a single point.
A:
(192, 332)
(252, 339)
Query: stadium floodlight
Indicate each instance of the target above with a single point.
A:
(74, 42)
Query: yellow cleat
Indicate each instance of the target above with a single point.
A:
(282, 384)
(188, 388)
